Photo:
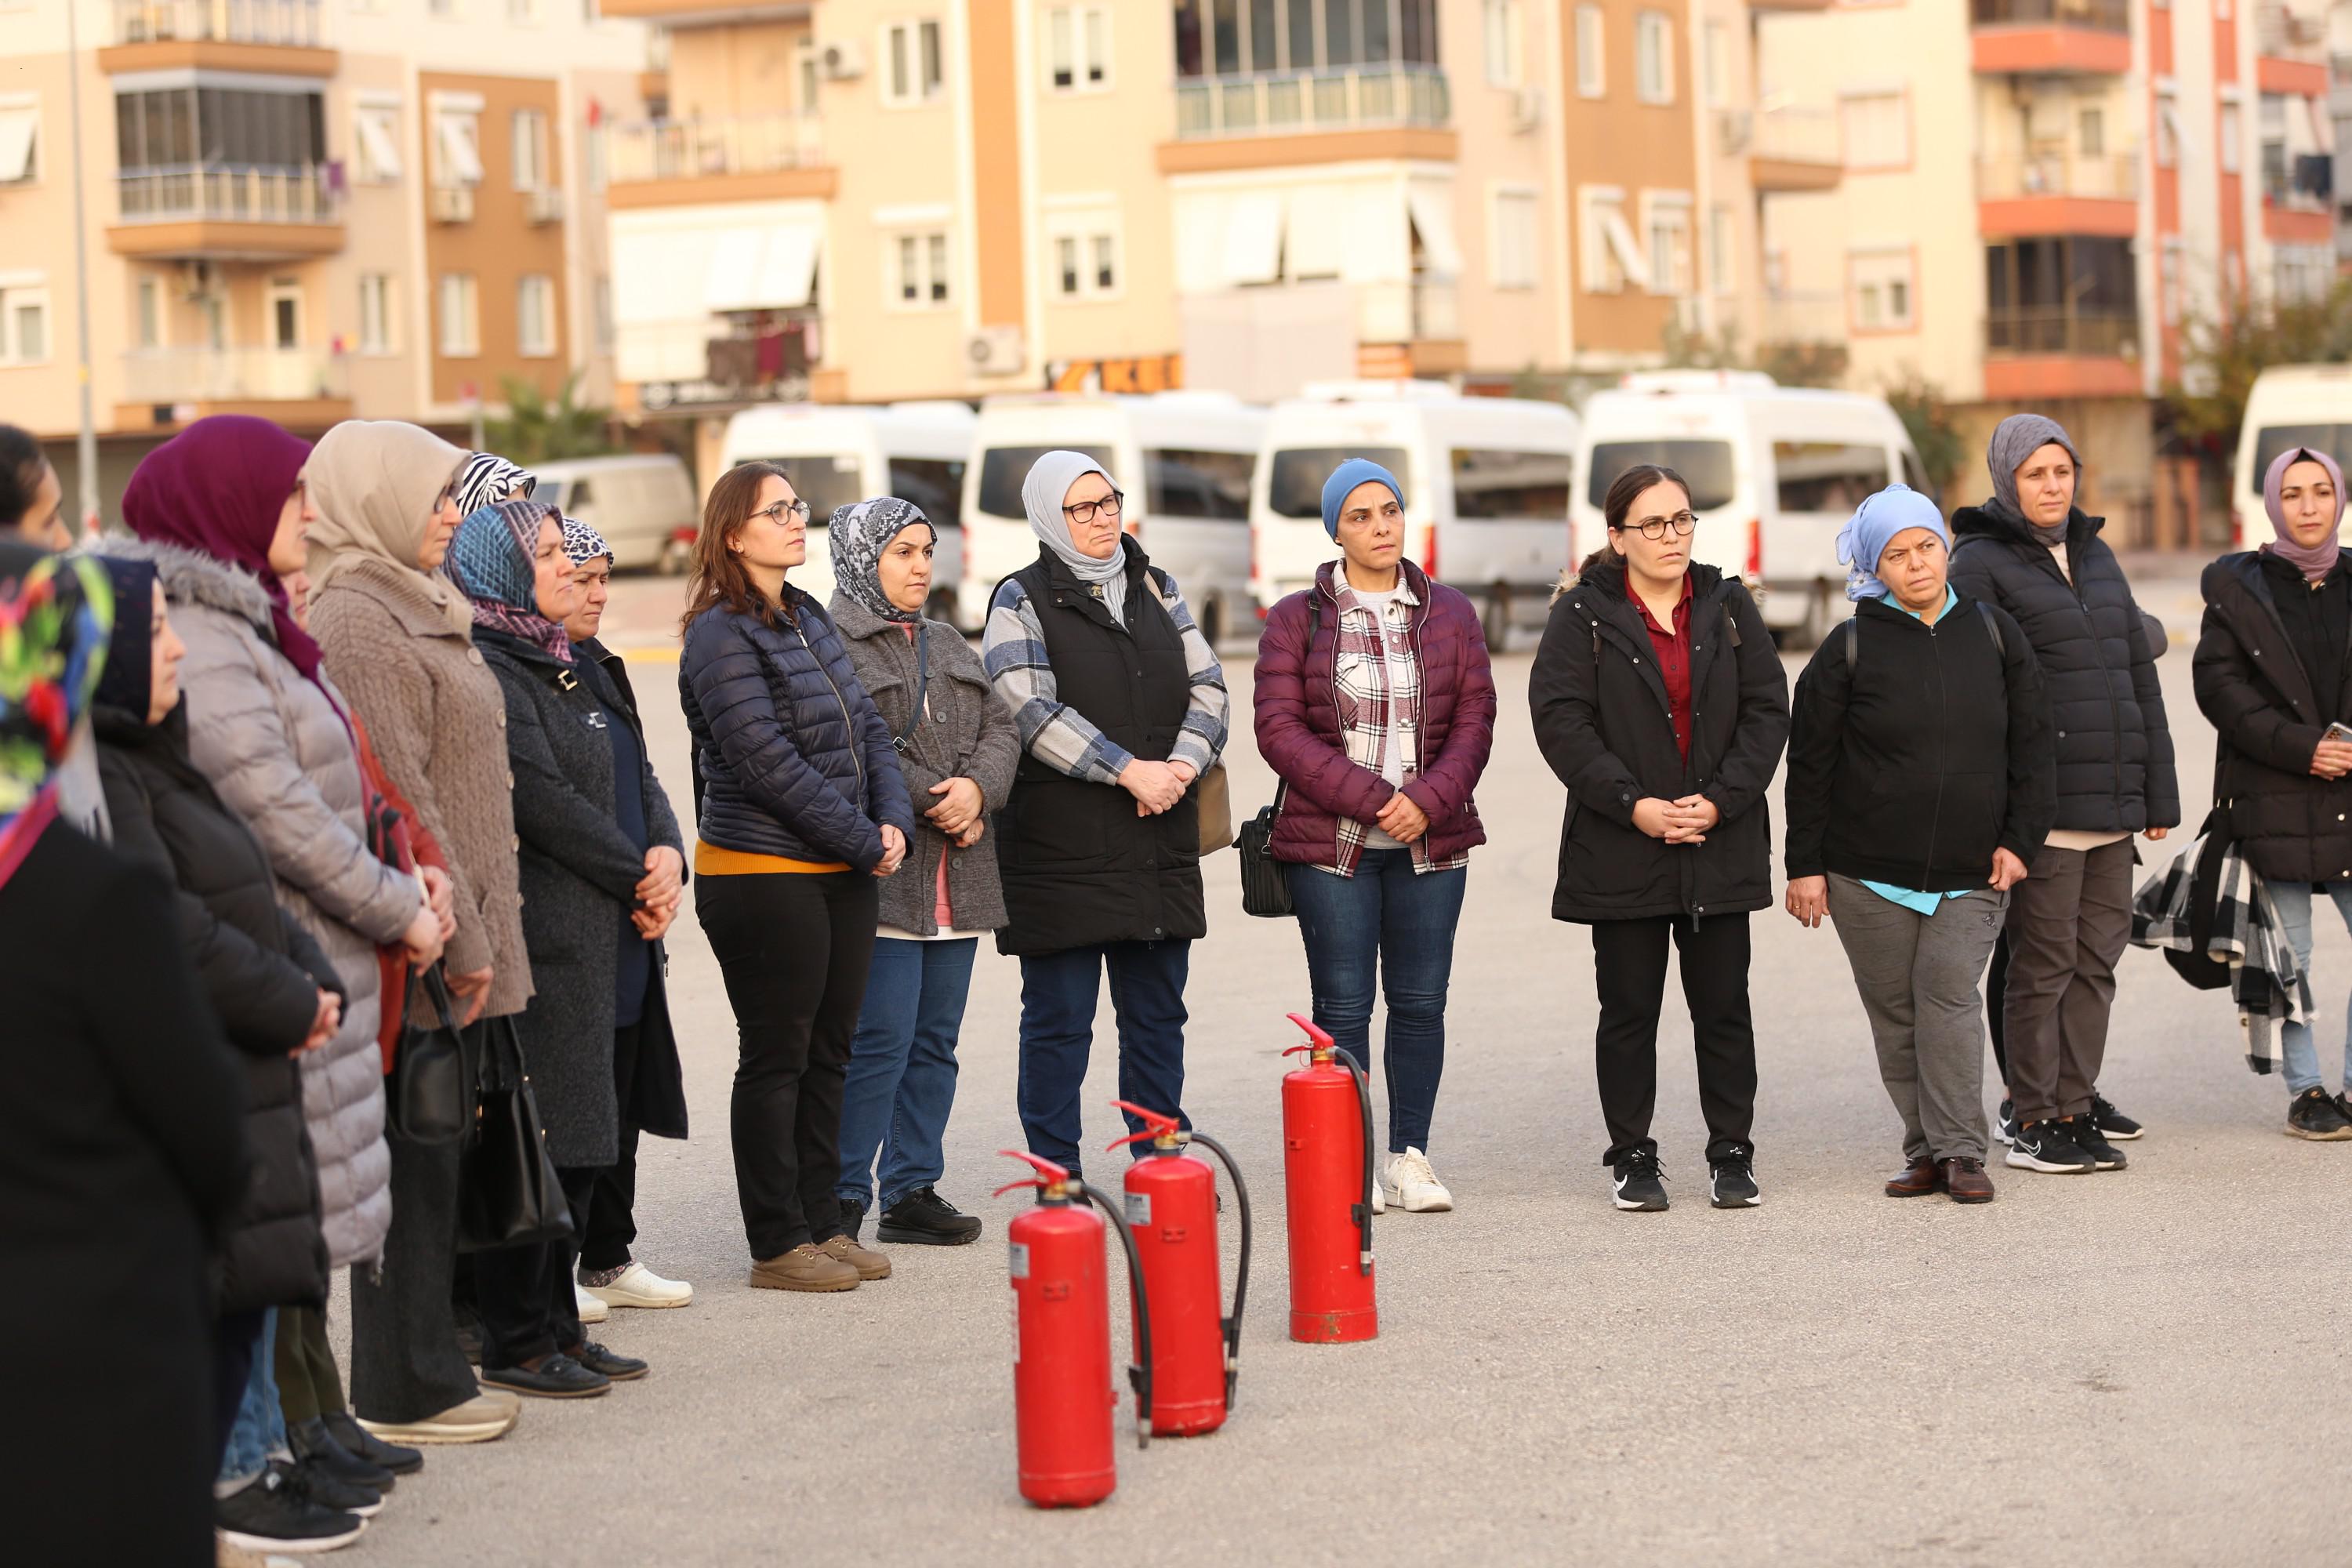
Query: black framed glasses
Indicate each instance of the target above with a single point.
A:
(1681, 522)
(1085, 509)
(782, 510)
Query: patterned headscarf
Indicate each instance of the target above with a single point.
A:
(487, 478)
(490, 561)
(582, 544)
(860, 533)
(56, 612)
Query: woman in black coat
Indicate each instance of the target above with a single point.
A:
(1660, 703)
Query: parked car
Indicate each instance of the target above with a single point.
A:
(643, 503)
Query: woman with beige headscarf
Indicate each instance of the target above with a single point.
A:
(399, 642)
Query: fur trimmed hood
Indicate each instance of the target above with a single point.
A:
(191, 577)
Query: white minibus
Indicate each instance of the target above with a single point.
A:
(2290, 405)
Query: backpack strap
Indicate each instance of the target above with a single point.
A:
(1992, 628)
(1853, 645)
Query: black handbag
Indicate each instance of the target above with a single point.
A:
(1266, 888)
(508, 1192)
(425, 1100)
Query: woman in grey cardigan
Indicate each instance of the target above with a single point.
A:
(956, 748)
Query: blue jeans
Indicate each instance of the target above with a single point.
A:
(2296, 1046)
(260, 1429)
(902, 1066)
(1390, 923)
(1058, 992)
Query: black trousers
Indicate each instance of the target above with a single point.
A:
(308, 1383)
(1996, 994)
(405, 1363)
(793, 948)
(612, 1209)
(525, 1294)
(1629, 961)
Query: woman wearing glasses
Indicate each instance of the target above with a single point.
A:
(1660, 703)
(1121, 707)
(801, 809)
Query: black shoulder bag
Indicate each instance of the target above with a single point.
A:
(507, 1195)
(425, 1096)
(1264, 890)
(905, 736)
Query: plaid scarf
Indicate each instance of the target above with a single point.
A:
(1376, 687)
(2265, 980)
(490, 560)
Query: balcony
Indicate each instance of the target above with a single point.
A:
(2051, 38)
(258, 215)
(2043, 351)
(687, 12)
(1327, 117)
(276, 37)
(166, 387)
(1794, 150)
(2297, 194)
(1791, 318)
(2061, 191)
(2290, 51)
(666, 163)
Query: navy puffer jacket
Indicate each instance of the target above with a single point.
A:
(789, 756)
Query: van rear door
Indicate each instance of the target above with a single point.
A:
(1509, 519)
(1814, 485)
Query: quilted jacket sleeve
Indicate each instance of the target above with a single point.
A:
(1444, 783)
(1563, 695)
(1313, 765)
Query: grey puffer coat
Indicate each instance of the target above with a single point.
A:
(276, 750)
(969, 734)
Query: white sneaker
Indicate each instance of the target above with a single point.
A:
(1409, 1182)
(639, 1285)
(1379, 1199)
(592, 1311)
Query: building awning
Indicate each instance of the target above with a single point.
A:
(17, 127)
(1358, 230)
(461, 157)
(1254, 239)
(378, 141)
(1432, 207)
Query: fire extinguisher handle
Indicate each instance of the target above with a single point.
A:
(1233, 1324)
(1138, 1376)
(1364, 1209)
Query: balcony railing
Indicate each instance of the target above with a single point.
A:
(230, 196)
(1426, 311)
(2011, 176)
(232, 376)
(1797, 136)
(2104, 16)
(1324, 101)
(674, 150)
(2053, 330)
(2282, 34)
(218, 21)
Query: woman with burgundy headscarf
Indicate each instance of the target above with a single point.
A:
(2273, 672)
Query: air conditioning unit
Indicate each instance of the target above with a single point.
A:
(1526, 109)
(451, 204)
(196, 281)
(544, 204)
(843, 60)
(994, 351)
(1734, 129)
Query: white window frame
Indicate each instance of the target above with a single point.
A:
(146, 304)
(1668, 211)
(1507, 269)
(1714, 69)
(2171, 279)
(384, 119)
(2167, 126)
(933, 268)
(29, 107)
(1085, 228)
(1653, 57)
(457, 307)
(1722, 236)
(902, 43)
(448, 121)
(1502, 26)
(599, 311)
(1865, 265)
(535, 330)
(1598, 256)
(1085, 32)
(279, 291)
(1873, 159)
(14, 300)
(808, 77)
(2230, 133)
(1592, 52)
(386, 325)
(528, 128)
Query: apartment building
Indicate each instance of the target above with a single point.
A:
(2136, 165)
(309, 210)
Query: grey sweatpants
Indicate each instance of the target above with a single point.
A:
(1918, 975)
(2067, 929)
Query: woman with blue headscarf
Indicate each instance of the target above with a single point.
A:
(1921, 781)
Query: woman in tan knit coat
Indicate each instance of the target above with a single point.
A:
(398, 640)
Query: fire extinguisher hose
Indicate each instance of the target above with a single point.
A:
(1138, 1376)
(1363, 1209)
(1233, 1324)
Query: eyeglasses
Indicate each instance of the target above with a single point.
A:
(1681, 523)
(1085, 509)
(798, 510)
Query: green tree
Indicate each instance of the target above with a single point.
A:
(2221, 357)
(1935, 432)
(538, 429)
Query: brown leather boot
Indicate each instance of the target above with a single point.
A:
(803, 1269)
(1918, 1179)
(869, 1264)
(1966, 1181)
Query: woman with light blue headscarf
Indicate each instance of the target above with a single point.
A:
(1921, 781)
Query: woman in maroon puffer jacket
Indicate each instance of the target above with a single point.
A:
(1375, 705)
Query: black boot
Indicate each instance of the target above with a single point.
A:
(923, 1218)
(357, 1439)
(312, 1442)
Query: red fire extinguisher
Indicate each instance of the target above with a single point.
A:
(1171, 1213)
(1061, 1341)
(1326, 1140)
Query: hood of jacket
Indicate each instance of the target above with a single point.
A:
(1974, 522)
(1607, 577)
(192, 577)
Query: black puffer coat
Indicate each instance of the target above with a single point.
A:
(2106, 712)
(262, 972)
(1603, 721)
(2292, 825)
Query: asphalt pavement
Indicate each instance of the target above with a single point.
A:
(2142, 1366)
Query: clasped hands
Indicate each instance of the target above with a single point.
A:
(1683, 821)
(1155, 786)
(659, 892)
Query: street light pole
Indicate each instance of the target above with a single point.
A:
(86, 440)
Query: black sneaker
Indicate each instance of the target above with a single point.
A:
(2091, 1138)
(2316, 1117)
(853, 1217)
(1733, 1181)
(1641, 1185)
(556, 1377)
(2004, 1126)
(611, 1363)
(310, 1478)
(2119, 1127)
(270, 1515)
(312, 1441)
(2045, 1146)
(923, 1218)
(357, 1439)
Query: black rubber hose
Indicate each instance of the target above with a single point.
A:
(1138, 1376)
(1241, 1275)
(1364, 1209)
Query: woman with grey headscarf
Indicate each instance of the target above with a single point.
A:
(2031, 551)
(956, 750)
(1121, 707)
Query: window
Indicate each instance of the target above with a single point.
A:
(1001, 469)
(2270, 440)
(1084, 252)
(921, 271)
(461, 320)
(523, 13)
(2301, 273)
(1295, 487)
(2232, 135)
(1877, 129)
(20, 135)
(375, 139)
(24, 325)
(285, 307)
(456, 148)
(375, 313)
(911, 67)
(1828, 475)
(1078, 48)
(2091, 136)
(1226, 38)
(1513, 258)
(535, 315)
(1706, 464)
(600, 292)
(595, 153)
(1591, 74)
(934, 484)
(150, 313)
(1612, 257)
(1653, 58)
(1670, 243)
(2168, 130)
(1505, 45)
(1885, 293)
(2169, 281)
(1493, 486)
(1719, 236)
(1211, 485)
(1716, 44)
(216, 127)
(532, 171)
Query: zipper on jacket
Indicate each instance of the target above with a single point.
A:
(848, 720)
(2074, 582)
(1943, 733)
